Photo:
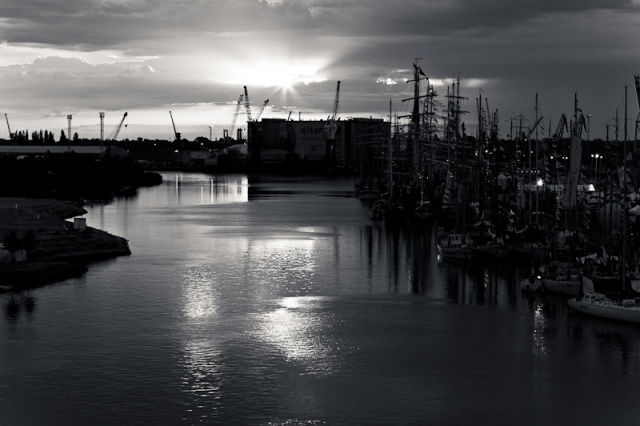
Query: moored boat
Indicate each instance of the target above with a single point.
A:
(561, 277)
(566, 286)
(598, 305)
(456, 246)
(423, 211)
(532, 284)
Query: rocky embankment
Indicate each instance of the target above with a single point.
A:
(59, 251)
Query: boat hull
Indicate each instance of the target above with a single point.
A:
(605, 308)
(455, 246)
(568, 287)
(456, 254)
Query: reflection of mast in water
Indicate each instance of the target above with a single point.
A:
(405, 257)
(493, 284)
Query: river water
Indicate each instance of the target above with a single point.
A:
(256, 301)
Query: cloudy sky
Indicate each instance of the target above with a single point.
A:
(193, 57)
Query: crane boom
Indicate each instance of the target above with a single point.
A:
(175, 132)
(331, 127)
(261, 109)
(247, 105)
(533, 129)
(235, 115)
(335, 103)
(114, 134)
(562, 125)
(8, 127)
(582, 125)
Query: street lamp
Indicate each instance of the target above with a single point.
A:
(539, 184)
(596, 156)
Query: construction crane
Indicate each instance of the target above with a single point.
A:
(562, 125)
(331, 127)
(533, 129)
(9, 127)
(581, 125)
(235, 115)
(175, 132)
(114, 133)
(247, 105)
(261, 109)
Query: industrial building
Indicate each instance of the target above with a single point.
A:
(272, 141)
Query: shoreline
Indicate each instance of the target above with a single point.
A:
(60, 251)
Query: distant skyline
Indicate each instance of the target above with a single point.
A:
(149, 57)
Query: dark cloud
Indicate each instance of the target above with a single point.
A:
(107, 24)
(511, 49)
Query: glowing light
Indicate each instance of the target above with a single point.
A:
(299, 329)
(200, 300)
(539, 327)
(283, 74)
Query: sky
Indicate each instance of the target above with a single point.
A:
(194, 57)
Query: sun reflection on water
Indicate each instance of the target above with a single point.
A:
(200, 298)
(203, 363)
(300, 329)
(281, 264)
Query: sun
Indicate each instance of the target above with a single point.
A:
(286, 76)
(279, 74)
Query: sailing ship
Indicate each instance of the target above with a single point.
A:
(622, 302)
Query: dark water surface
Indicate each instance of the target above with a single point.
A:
(276, 301)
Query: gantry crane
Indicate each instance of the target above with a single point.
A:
(114, 133)
(175, 132)
(247, 105)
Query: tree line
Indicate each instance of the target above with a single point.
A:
(40, 137)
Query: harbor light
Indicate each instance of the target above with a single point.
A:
(596, 156)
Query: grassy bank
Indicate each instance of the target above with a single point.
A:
(59, 251)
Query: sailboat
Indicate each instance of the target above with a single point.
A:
(560, 277)
(599, 305)
(625, 308)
